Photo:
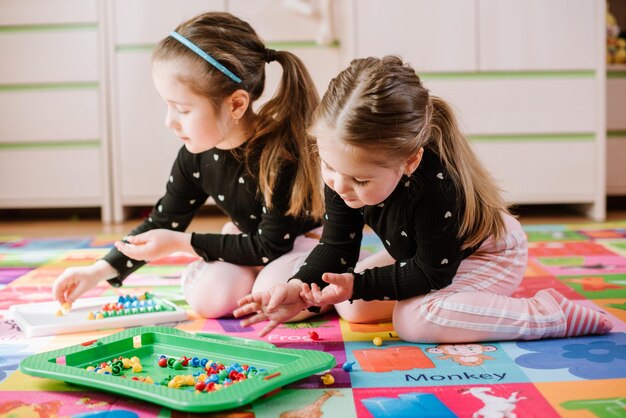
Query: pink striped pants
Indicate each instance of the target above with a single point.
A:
(476, 306)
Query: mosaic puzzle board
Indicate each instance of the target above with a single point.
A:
(571, 377)
(40, 319)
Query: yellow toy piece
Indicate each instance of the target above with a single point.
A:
(328, 379)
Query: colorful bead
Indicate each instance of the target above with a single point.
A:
(347, 366)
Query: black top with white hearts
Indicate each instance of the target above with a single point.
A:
(418, 225)
(221, 174)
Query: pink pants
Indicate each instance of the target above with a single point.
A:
(213, 289)
(476, 306)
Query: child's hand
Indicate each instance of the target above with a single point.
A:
(277, 305)
(75, 281)
(339, 289)
(154, 244)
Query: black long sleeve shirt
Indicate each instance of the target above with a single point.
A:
(418, 225)
(266, 233)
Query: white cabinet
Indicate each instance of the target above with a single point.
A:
(83, 126)
(431, 35)
(526, 79)
(53, 141)
(534, 35)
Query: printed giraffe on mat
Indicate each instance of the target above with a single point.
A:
(312, 410)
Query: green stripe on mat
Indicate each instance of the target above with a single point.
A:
(533, 137)
(47, 27)
(87, 143)
(48, 86)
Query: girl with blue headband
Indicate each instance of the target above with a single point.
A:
(257, 166)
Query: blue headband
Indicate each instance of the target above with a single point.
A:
(180, 38)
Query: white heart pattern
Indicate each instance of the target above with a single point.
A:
(440, 176)
(447, 215)
(402, 264)
(192, 201)
(444, 261)
(380, 205)
(407, 183)
(220, 197)
(260, 232)
(220, 259)
(129, 264)
(171, 179)
(196, 174)
(388, 243)
(265, 260)
(252, 217)
(403, 234)
(160, 208)
(174, 224)
(241, 180)
(216, 157)
(352, 235)
(343, 261)
(287, 236)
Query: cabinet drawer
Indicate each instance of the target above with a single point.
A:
(274, 21)
(149, 21)
(431, 35)
(615, 167)
(541, 171)
(32, 12)
(49, 115)
(49, 56)
(616, 103)
(50, 176)
(537, 34)
(147, 148)
(502, 105)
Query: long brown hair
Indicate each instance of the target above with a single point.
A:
(381, 104)
(280, 135)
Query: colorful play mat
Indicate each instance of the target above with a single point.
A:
(570, 377)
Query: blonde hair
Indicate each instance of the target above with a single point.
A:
(381, 104)
(280, 135)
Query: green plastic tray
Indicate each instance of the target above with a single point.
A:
(149, 343)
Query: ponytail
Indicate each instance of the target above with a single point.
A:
(282, 129)
(483, 202)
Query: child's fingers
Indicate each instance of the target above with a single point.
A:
(250, 298)
(317, 292)
(275, 300)
(268, 328)
(134, 239)
(254, 319)
(246, 309)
